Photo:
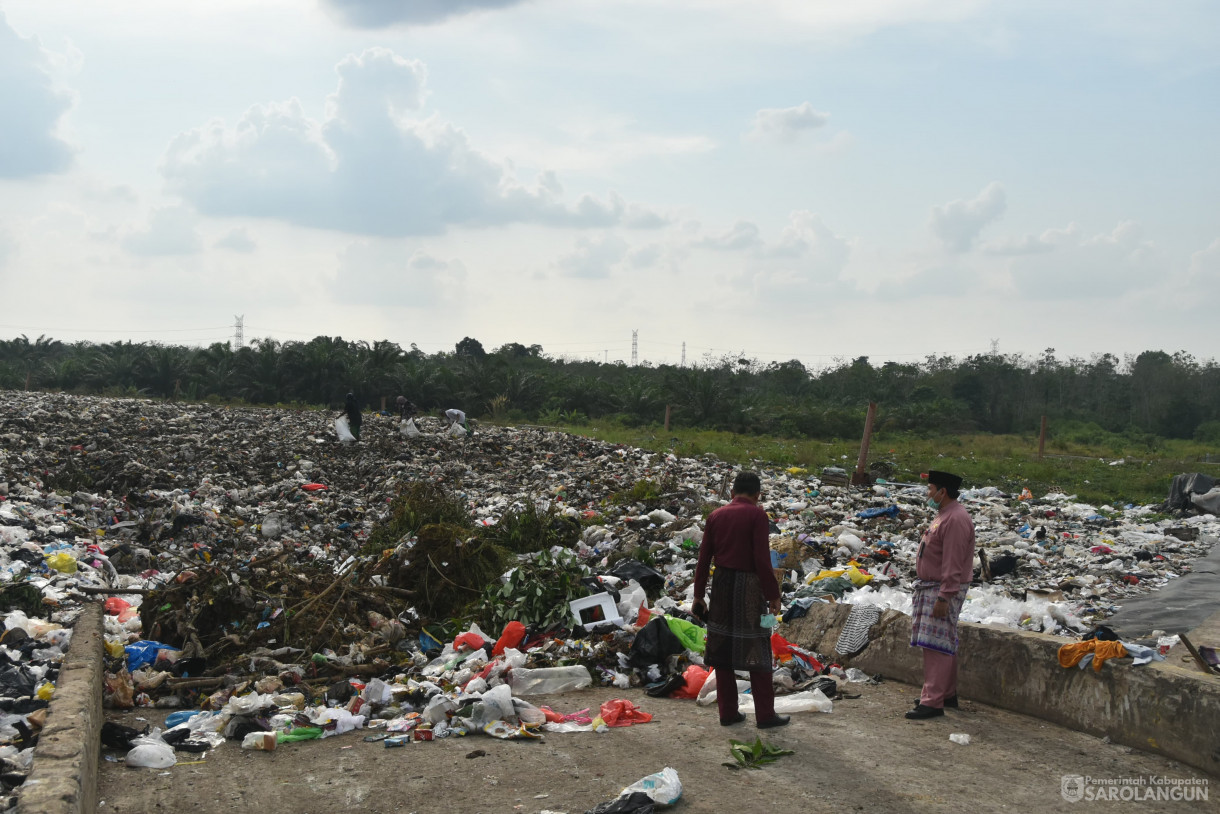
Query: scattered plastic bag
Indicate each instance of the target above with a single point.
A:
(691, 635)
(546, 680)
(344, 430)
(150, 752)
(663, 787)
(260, 741)
(635, 803)
(408, 429)
(621, 712)
(63, 562)
(960, 738)
(630, 599)
(807, 701)
(695, 677)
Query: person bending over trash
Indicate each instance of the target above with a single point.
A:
(455, 417)
(944, 566)
(743, 589)
(352, 411)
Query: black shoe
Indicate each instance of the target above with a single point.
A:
(921, 712)
(741, 716)
(778, 720)
(950, 702)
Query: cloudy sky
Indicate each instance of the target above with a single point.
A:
(807, 179)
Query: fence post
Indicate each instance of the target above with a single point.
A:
(668, 411)
(860, 476)
(1042, 438)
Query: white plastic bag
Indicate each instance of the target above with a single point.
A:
(629, 600)
(344, 431)
(545, 680)
(457, 431)
(408, 429)
(808, 701)
(150, 752)
(260, 741)
(663, 787)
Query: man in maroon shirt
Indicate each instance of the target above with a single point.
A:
(944, 567)
(743, 588)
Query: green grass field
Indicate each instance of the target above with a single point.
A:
(1085, 468)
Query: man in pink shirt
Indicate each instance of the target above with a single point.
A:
(944, 567)
(743, 589)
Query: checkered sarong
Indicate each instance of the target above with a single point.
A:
(926, 630)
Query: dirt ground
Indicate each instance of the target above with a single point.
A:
(864, 756)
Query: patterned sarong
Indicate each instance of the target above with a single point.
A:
(927, 631)
(735, 639)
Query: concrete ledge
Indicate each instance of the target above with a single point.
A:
(64, 776)
(1157, 707)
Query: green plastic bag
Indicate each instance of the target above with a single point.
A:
(691, 635)
(301, 733)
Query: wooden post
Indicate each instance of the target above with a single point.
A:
(668, 412)
(1042, 438)
(860, 477)
(383, 404)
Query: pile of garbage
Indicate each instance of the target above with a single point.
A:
(247, 553)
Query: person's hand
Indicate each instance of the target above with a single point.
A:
(940, 609)
(699, 609)
(774, 607)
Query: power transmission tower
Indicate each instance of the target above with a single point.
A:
(635, 348)
(683, 364)
(238, 336)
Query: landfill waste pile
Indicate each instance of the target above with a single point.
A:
(278, 585)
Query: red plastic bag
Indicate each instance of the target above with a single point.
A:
(313, 487)
(644, 615)
(115, 606)
(511, 636)
(781, 647)
(621, 712)
(472, 640)
(695, 677)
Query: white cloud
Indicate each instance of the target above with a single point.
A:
(1048, 241)
(170, 231)
(382, 13)
(238, 240)
(385, 273)
(806, 237)
(787, 123)
(959, 222)
(742, 235)
(367, 168)
(31, 106)
(1202, 279)
(645, 256)
(7, 246)
(593, 258)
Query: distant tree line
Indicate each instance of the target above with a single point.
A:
(1156, 393)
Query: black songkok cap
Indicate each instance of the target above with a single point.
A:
(945, 480)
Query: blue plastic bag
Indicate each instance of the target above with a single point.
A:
(144, 652)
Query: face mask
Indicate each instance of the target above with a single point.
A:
(932, 504)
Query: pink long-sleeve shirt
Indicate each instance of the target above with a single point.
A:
(946, 553)
(736, 537)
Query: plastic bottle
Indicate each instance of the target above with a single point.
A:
(547, 680)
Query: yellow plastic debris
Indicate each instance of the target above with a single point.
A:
(62, 561)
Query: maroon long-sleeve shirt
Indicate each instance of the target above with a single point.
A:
(736, 537)
(946, 553)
